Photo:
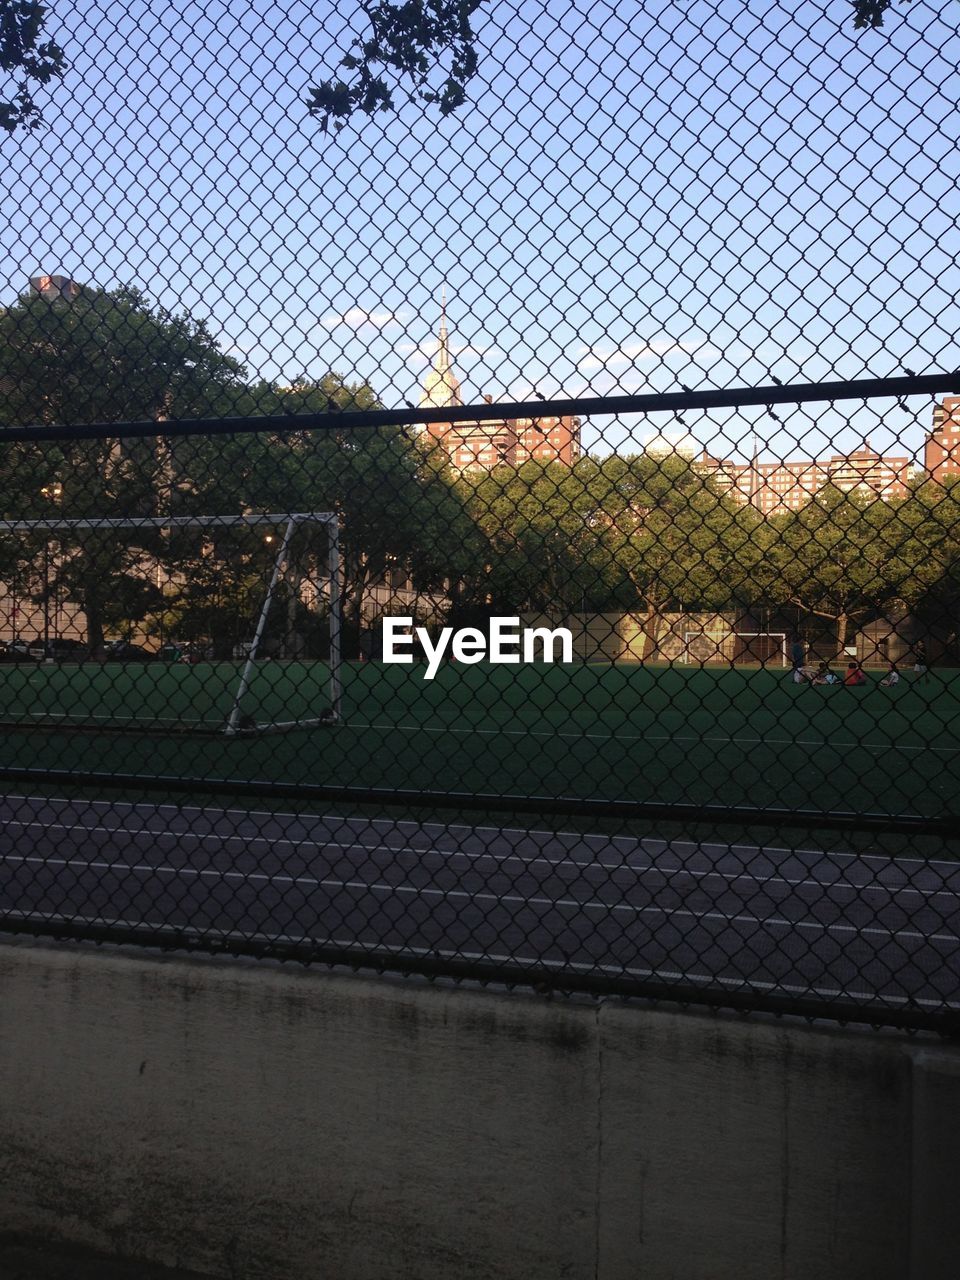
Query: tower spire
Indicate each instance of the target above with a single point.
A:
(442, 362)
(441, 388)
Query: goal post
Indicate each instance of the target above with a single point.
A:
(705, 646)
(198, 629)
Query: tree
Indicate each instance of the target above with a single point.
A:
(614, 534)
(545, 549)
(111, 357)
(217, 584)
(839, 558)
(21, 50)
(681, 544)
(409, 39)
(104, 357)
(401, 510)
(870, 13)
(928, 558)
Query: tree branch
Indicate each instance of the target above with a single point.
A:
(408, 39)
(869, 13)
(21, 25)
(819, 613)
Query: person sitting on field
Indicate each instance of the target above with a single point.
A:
(891, 678)
(824, 675)
(855, 675)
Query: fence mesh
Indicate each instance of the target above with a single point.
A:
(480, 492)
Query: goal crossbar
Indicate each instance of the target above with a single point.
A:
(168, 522)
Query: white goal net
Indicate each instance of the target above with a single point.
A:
(218, 623)
(734, 648)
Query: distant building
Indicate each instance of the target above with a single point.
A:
(771, 487)
(664, 444)
(549, 439)
(775, 487)
(56, 287)
(893, 638)
(941, 454)
(870, 473)
(476, 446)
(479, 446)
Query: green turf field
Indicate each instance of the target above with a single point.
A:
(712, 736)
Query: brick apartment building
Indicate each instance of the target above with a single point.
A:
(477, 446)
(56, 288)
(776, 487)
(941, 455)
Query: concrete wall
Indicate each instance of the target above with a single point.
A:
(261, 1121)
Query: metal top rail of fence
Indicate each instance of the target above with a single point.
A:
(482, 498)
(334, 418)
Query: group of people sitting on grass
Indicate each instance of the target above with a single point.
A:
(855, 675)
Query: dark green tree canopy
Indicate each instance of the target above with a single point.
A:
(25, 57)
(409, 39)
(104, 356)
(114, 357)
(869, 13)
(109, 356)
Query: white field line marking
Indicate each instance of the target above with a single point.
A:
(499, 858)
(378, 948)
(655, 737)
(445, 895)
(337, 820)
(69, 717)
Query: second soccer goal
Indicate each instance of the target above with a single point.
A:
(734, 648)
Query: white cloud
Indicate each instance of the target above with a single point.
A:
(632, 352)
(357, 318)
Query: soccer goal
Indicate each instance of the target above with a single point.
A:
(749, 648)
(221, 624)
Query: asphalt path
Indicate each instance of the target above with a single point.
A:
(802, 922)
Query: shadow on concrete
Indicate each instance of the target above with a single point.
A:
(22, 1259)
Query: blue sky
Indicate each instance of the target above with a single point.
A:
(635, 195)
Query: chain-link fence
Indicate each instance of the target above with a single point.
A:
(482, 501)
